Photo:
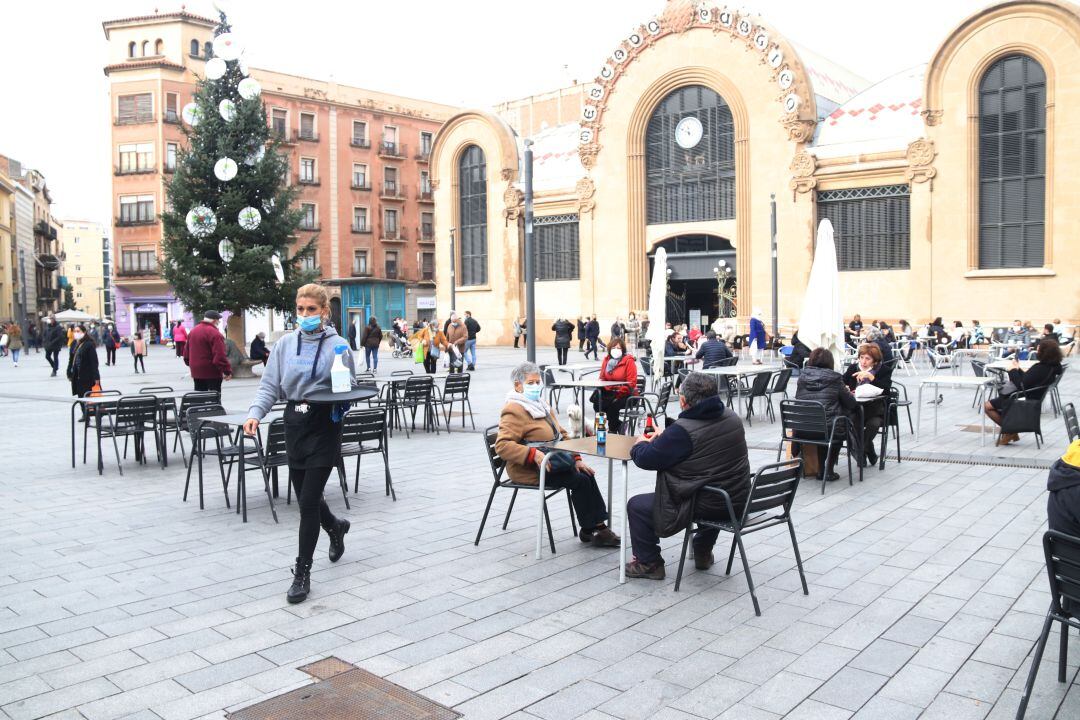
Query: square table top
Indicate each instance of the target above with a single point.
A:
(1007, 364)
(617, 447)
(239, 419)
(585, 383)
(740, 369)
(954, 380)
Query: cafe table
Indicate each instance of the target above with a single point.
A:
(955, 381)
(739, 372)
(616, 449)
(582, 386)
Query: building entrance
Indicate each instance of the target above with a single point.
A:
(701, 279)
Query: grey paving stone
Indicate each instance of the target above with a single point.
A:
(814, 710)
(850, 688)
(222, 673)
(980, 681)
(58, 700)
(133, 701)
(782, 692)
(947, 706)
(915, 685)
(882, 708)
(572, 701)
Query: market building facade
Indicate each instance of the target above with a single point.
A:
(939, 181)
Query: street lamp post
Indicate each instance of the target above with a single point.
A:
(453, 278)
(722, 271)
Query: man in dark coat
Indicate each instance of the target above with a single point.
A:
(712, 351)
(580, 334)
(1063, 504)
(705, 446)
(592, 334)
(54, 340)
(205, 354)
(473, 328)
(564, 335)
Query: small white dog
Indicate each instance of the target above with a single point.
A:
(573, 417)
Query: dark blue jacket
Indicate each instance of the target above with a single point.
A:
(712, 352)
(1063, 503)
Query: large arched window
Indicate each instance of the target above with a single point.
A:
(690, 158)
(472, 188)
(1012, 164)
(131, 49)
(194, 48)
(159, 46)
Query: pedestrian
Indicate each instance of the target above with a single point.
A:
(456, 337)
(757, 336)
(299, 365)
(111, 340)
(14, 342)
(204, 353)
(82, 369)
(472, 327)
(4, 339)
(54, 340)
(370, 340)
(525, 331)
(633, 331)
(1063, 486)
(517, 331)
(432, 344)
(352, 335)
(592, 334)
(179, 336)
(33, 339)
(564, 335)
(259, 352)
(616, 366)
(580, 334)
(617, 328)
(139, 352)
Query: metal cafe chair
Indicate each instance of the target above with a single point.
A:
(366, 426)
(1072, 426)
(178, 424)
(202, 432)
(759, 389)
(455, 390)
(94, 414)
(805, 422)
(1023, 413)
(272, 456)
(133, 416)
(418, 393)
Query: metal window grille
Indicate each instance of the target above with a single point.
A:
(1012, 164)
(872, 226)
(684, 185)
(472, 184)
(558, 255)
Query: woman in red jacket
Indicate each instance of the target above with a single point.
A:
(616, 366)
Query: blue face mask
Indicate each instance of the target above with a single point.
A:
(310, 323)
(532, 392)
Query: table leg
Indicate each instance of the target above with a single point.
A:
(625, 523)
(935, 410)
(73, 405)
(240, 475)
(610, 466)
(582, 413)
(540, 517)
(982, 425)
(918, 413)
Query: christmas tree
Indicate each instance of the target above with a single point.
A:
(230, 218)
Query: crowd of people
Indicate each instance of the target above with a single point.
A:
(1019, 338)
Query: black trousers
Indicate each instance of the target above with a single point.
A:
(580, 344)
(871, 425)
(110, 354)
(208, 385)
(584, 495)
(53, 358)
(561, 353)
(612, 405)
(591, 349)
(140, 360)
(314, 512)
(431, 364)
(517, 338)
(643, 537)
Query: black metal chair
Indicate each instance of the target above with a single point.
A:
(133, 417)
(455, 390)
(658, 401)
(892, 419)
(1023, 413)
(93, 414)
(178, 424)
(759, 389)
(778, 386)
(1071, 424)
(366, 426)
(1062, 554)
(498, 466)
(806, 423)
(272, 456)
(202, 432)
(902, 401)
(1055, 397)
(772, 492)
(417, 393)
(552, 385)
(635, 409)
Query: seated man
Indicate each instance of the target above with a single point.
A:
(526, 421)
(705, 446)
(1063, 484)
(259, 351)
(712, 351)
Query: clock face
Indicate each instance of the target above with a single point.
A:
(688, 132)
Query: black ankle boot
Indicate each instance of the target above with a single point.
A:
(337, 539)
(301, 584)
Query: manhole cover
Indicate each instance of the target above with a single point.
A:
(327, 668)
(352, 695)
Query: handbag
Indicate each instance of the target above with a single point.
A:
(558, 461)
(434, 351)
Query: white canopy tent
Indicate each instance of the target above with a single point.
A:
(74, 316)
(822, 322)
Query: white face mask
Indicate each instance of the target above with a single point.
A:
(78, 336)
(616, 353)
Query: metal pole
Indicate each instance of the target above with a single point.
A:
(453, 274)
(775, 287)
(530, 271)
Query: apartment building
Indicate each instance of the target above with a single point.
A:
(87, 265)
(8, 250)
(358, 158)
(37, 255)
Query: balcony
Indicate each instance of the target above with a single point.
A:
(425, 235)
(134, 171)
(360, 272)
(48, 261)
(137, 272)
(423, 155)
(279, 132)
(127, 222)
(427, 276)
(134, 119)
(391, 150)
(307, 180)
(394, 235)
(425, 195)
(391, 191)
(171, 117)
(359, 229)
(364, 185)
(307, 135)
(359, 142)
(45, 230)
(310, 227)
(391, 271)
(48, 294)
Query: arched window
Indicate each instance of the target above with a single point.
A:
(472, 189)
(145, 47)
(131, 49)
(690, 158)
(194, 48)
(1012, 164)
(207, 49)
(159, 46)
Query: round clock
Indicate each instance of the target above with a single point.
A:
(688, 132)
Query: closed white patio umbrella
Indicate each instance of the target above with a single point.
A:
(822, 322)
(73, 316)
(658, 310)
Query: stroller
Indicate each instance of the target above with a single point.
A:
(399, 346)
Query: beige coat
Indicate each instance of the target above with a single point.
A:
(516, 427)
(457, 336)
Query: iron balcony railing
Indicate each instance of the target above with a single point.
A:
(391, 149)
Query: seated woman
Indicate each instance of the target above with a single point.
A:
(617, 366)
(675, 345)
(870, 370)
(1038, 378)
(526, 420)
(819, 382)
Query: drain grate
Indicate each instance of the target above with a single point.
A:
(951, 458)
(351, 695)
(327, 668)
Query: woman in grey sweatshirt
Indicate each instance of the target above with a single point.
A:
(298, 366)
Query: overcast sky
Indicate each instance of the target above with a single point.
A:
(461, 52)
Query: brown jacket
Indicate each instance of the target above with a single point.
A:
(457, 336)
(516, 427)
(426, 336)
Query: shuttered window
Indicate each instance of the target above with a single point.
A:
(696, 183)
(133, 109)
(557, 247)
(472, 186)
(871, 226)
(1012, 164)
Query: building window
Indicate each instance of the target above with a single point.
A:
(131, 49)
(360, 219)
(310, 263)
(78, 268)
(159, 47)
(427, 226)
(136, 209)
(136, 157)
(389, 140)
(472, 208)
(359, 176)
(145, 47)
(138, 261)
(871, 226)
(1012, 164)
(696, 182)
(359, 262)
(193, 50)
(279, 122)
(207, 49)
(172, 101)
(307, 217)
(390, 223)
(425, 144)
(307, 126)
(427, 266)
(170, 156)
(557, 247)
(359, 134)
(391, 264)
(425, 184)
(307, 170)
(390, 186)
(133, 109)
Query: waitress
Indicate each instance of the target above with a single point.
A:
(298, 366)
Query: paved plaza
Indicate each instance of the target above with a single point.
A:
(118, 600)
